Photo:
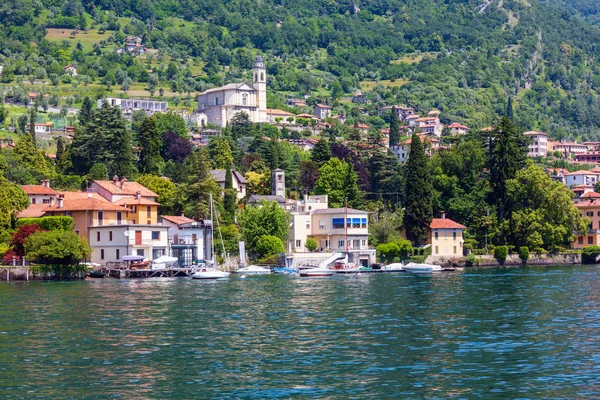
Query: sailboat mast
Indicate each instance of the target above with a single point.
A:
(212, 232)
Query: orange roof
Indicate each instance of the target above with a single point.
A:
(590, 195)
(274, 111)
(445, 223)
(306, 116)
(363, 126)
(534, 133)
(129, 201)
(82, 201)
(38, 189)
(33, 211)
(130, 188)
(588, 203)
(323, 106)
(456, 125)
(426, 119)
(177, 219)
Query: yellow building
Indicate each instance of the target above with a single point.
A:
(446, 237)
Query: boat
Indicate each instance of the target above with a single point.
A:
(96, 274)
(422, 268)
(284, 271)
(319, 271)
(253, 270)
(394, 267)
(209, 271)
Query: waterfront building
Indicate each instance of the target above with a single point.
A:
(446, 237)
(189, 240)
(589, 208)
(218, 106)
(110, 243)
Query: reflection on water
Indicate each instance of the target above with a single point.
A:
(486, 333)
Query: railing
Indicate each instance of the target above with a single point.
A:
(183, 241)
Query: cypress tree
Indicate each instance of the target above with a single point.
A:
(32, 125)
(419, 190)
(321, 153)
(394, 128)
(510, 113)
(229, 197)
(86, 112)
(150, 159)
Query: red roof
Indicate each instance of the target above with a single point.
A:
(129, 188)
(38, 189)
(456, 125)
(590, 195)
(445, 223)
(323, 106)
(177, 219)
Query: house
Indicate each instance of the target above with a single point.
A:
(134, 46)
(322, 111)
(411, 119)
(295, 103)
(401, 150)
(359, 98)
(40, 194)
(567, 148)
(581, 178)
(277, 191)
(70, 70)
(591, 209)
(457, 129)
(592, 157)
(428, 125)
(41, 128)
(304, 144)
(539, 144)
(363, 128)
(256, 200)
(238, 181)
(189, 240)
(558, 174)
(341, 118)
(127, 106)
(219, 105)
(446, 237)
(277, 117)
(111, 242)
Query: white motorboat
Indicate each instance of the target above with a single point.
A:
(254, 270)
(394, 267)
(422, 268)
(317, 272)
(210, 273)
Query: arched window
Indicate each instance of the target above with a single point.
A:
(262, 76)
(245, 99)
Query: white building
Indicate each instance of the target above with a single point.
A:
(581, 178)
(40, 194)
(457, 129)
(111, 242)
(238, 181)
(190, 240)
(539, 144)
(45, 127)
(219, 105)
(127, 106)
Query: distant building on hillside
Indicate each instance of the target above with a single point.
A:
(322, 111)
(127, 106)
(539, 144)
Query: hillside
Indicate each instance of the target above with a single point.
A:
(463, 57)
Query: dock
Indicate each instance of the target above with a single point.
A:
(173, 272)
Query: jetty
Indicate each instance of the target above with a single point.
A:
(171, 272)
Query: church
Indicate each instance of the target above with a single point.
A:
(219, 105)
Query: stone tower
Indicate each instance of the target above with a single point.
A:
(260, 85)
(278, 182)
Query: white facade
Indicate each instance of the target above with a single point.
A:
(190, 242)
(581, 178)
(129, 105)
(219, 105)
(539, 144)
(110, 243)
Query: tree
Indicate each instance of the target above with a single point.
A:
(166, 190)
(385, 227)
(394, 128)
(240, 125)
(194, 197)
(32, 126)
(500, 254)
(309, 173)
(338, 180)
(12, 200)
(171, 122)
(86, 112)
(98, 172)
(150, 141)
(62, 156)
(268, 245)
(17, 242)
(418, 192)
(220, 153)
(268, 219)
(321, 153)
(175, 147)
(524, 254)
(229, 197)
(29, 156)
(56, 248)
(311, 244)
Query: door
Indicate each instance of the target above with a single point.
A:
(138, 238)
(100, 218)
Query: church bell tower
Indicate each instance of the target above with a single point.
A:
(260, 85)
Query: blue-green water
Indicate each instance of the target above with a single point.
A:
(485, 333)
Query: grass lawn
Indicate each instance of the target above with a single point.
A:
(87, 39)
(413, 58)
(369, 85)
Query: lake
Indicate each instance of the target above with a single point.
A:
(485, 333)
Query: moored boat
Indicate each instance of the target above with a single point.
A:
(96, 274)
(253, 270)
(210, 273)
(394, 267)
(422, 268)
(317, 272)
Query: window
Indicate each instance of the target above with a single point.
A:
(102, 254)
(437, 250)
(356, 244)
(454, 249)
(321, 224)
(138, 237)
(454, 235)
(100, 218)
(98, 236)
(33, 201)
(77, 232)
(355, 223)
(117, 254)
(590, 213)
(110, 237)
(298, 243)
(119, 218)
(148, 212)
(216, 101)
(245, 99)
(599, 213)
(326, 243)
(262, 76)
(155, 235)
(337, 223)
(435, 235)
(45, 201)
(364, 242)
(341, 244)
(363, 223)
(133, 210)
(140, 252)
(590, 240)
(580, 240)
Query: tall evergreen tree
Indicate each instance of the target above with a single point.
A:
(510, 112)
(507, 155)
(150, 159)
(196, 190)
(86, 112)
(321, 153)
(419, 190)
(229, 198)
(220, 153)
(32, 125)
(394, 127)
(62, 154)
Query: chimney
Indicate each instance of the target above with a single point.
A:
(123, 182)
(443, 214)
(61, 200)
(182, 215)
(138, 195)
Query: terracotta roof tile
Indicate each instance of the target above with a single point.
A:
(129, 201)
(130, 188)
(445, 223)
(177, 219)
(38, 189)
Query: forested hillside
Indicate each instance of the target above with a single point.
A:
(464, 57)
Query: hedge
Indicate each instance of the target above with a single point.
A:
(49, 223)
(500, 254)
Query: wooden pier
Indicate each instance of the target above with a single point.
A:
(121, 273)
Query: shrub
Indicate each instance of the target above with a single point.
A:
(311, 244)
(470, 260)
(49, 223)
(479, 252)
(417, 259)
(500, 254)
(590, 254)
(524, 254)
(538, 251)
(268, 245)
